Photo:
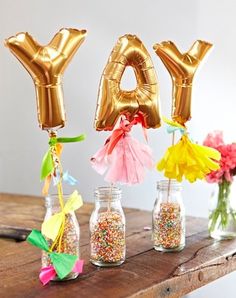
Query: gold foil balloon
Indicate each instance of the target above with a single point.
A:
(143, 101)
(46, 65)
(182, 68)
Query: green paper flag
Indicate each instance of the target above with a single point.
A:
(36, 238)
(63, 263)
(53, 141)
(47, 166)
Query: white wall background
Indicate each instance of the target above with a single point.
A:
(23, 143)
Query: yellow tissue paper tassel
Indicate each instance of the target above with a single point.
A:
(189, 160)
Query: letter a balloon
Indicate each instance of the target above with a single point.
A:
(143, 100)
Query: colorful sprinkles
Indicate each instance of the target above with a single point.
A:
(167, 226)
(108, 238)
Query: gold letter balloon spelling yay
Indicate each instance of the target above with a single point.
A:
(182, 68)
(46, 65)
(143, 101)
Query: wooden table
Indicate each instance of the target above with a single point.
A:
(146, 273)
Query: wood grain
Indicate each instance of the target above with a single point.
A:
(146, 273)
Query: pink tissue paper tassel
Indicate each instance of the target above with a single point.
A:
(127, 160)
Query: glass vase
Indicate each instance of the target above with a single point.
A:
(168, 228)
(222, 215)
(70, 239)
(107, 228)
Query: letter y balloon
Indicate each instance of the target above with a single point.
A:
(46, 65)
(182, 68)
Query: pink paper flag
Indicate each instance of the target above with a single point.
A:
(47, 274)
(78, 266)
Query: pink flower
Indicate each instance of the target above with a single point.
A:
(228, 158)
(214, 139)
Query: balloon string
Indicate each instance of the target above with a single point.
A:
(57, 164)
(60, 196)
(59, 237)
(60, 192)
(61, 234)
(169, 180)
(173, 142)
(61, 231)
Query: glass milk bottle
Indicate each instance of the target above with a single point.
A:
(107, 228)
(69, 243)
(168, 228)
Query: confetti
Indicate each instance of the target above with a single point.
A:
(168, 228)
(108, 239)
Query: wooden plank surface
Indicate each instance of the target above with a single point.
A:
(146, 273)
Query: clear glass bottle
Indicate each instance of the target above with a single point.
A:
(222, 215)
(107, 228)
(168, 228)
(71, 235)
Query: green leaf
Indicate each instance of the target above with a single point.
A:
(63, 263)
(47, 166)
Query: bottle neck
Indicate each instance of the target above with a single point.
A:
(107, 193)
(107, 197)
(169, 191)
(52, 202)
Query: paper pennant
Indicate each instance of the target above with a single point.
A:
(69, 179)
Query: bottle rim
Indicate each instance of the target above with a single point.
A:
(107, 193)
(52, 199)
(169, 184)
